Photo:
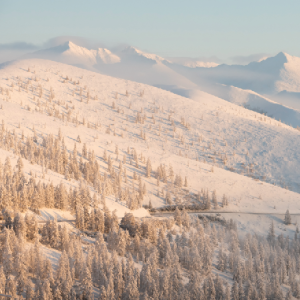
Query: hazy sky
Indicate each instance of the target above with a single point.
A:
(169, 28)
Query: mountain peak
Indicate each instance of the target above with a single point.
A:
(62, 48)
(271, 64)
(285, 57)
(71, 46)
(282, 55)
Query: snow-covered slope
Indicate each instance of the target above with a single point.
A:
(253, 156)
(291, 99)
(256, 102)
(256, 85)
(134, 54)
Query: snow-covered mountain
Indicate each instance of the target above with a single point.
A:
(268, 86)
(252, 143)
(269, 76)
(73, 54)
(274, 82)
(88, 150)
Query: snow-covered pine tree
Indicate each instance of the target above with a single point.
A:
(271, 233)
(214, 199)
(177, 216)
(287, 218)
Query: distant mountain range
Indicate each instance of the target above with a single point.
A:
(259, 85)
(269, 76)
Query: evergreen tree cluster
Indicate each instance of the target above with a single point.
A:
(51, 153)
(177, 261)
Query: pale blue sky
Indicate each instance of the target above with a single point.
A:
(169, 28)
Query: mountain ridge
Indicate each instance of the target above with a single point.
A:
(71, 53)
(268, 77)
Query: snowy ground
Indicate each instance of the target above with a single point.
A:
(259, 223)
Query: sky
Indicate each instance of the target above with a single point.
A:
(232, 29)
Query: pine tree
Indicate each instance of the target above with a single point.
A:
(110, 292)
(241, 291)
(62, 198)
(84, 150)
(65, 240)
(185, 182)
(287, 218)
(107, 220)
(177, 216)
(86, 284)
(31, 227)
(35, 202)
(148, 168)
(185, 218)
(79, 218)
(214, 199)
(131, 290)
(103, 294)
(271, 234)
(19, 226)
(289, 295)
(20, 165)
(297, 290)
(57, 293)
(227, 293)
(221, 260)
(235, 291)
(11, 286)
(99, 221)
(46, 292)
(168, 198)
(72, 294)
(219, 288)
(63, 268)
(7, 256)
(194, 287)
(206, 199)
(2, 280)
(21, 277)
(29, 290)
(261, 288)
(112, 240)
(277, 293)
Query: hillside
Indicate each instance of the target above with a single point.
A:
(287, 113)
(267, 86)
(236, 141)
(85, 155)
